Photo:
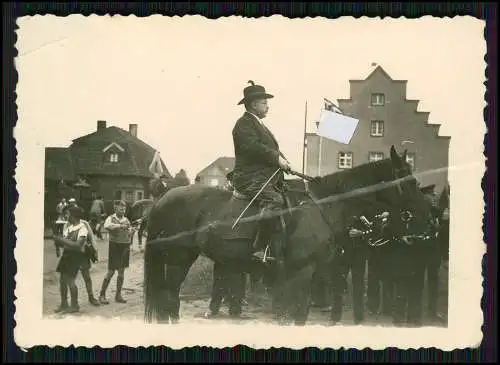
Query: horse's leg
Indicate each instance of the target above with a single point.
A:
(219, 289)
(291, 296)
(338, 278)
(175, 275)
(318, 290)
(303, 294)
(281, 301)
(237, 286)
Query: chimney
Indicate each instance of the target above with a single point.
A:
(132, 128)
(101, 124)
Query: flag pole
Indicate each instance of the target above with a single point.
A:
(304, 142)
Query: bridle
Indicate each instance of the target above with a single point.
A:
(372, 228)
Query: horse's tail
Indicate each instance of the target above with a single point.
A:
(154, 276)
(171, 230)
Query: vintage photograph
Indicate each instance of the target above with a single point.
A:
(308, 176)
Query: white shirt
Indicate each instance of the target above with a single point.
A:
(80, 227)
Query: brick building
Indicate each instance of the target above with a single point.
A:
(110, 162)
(215, 173)
(386, 118)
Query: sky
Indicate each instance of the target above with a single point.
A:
(180, 79)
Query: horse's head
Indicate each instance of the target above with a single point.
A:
(374, 187)
(407, 200)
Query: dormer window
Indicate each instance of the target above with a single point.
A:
(113, 150)
(113, 157)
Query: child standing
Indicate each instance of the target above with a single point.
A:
(73, 241)
(120, 235)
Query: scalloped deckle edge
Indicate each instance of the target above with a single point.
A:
(32, 330)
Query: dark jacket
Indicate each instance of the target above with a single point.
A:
(256, 153)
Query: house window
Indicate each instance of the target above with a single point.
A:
(375, 156)
(129, 196)
(345, 160)
(139, 194)
(113, 157)
(377, 128)
(214, 182)
(410, 159)
(378, 99)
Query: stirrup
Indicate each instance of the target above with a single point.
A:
(265, 257)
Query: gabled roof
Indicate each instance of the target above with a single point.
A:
(225, 164)
(137, 155)
(111, 145)
(378, 70)
(87, 155)
(58, 164)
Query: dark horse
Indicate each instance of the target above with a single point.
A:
(192, 220)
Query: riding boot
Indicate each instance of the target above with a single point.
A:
(74, 300)
(104, 287)
(64, 299)
(90, 292)
(119, 285)
(336, 308)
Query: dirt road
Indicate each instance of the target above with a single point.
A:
(195, 293)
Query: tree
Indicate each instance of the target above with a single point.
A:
(181, 178)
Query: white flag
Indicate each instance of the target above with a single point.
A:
(337, 127)
(155, 167)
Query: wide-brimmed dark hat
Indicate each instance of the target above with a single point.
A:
(254, 92)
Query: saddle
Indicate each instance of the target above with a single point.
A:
(249, 227)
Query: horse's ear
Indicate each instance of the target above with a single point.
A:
(396, 160)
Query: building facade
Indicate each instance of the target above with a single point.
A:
(215, 173)
(110, 162)
(386, 118)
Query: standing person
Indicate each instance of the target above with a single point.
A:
(97, 211)
(73, 240)
(119, 229)
(90, 255)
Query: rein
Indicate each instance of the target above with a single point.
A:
(368, 230)
(311, 196)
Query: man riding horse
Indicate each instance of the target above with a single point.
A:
(257, 159)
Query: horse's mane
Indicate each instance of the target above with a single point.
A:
(345, 180)
(358, 176)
